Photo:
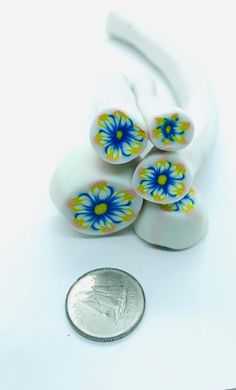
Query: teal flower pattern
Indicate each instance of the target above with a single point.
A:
(119, 137)
(162, 180)
(170, 129)
(186, 205)
(102, 208)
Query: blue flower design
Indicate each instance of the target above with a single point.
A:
(187, 204)
(119, 137)
(161, 180)
(102, 208)
(171, 129)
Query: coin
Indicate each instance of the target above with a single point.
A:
(105, 304)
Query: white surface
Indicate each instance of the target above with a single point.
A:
(52, 53)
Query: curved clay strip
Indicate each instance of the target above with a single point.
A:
(118, 130)
(167, 177)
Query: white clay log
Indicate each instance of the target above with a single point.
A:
(177, 226)
(169, 128)
(167, 177)
(117, 132)
(96, 198)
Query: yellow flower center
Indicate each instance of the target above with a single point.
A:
(100, 208)
(162, 179)
(168, 129)
(119, 134)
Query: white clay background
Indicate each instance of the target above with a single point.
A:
(51, 55)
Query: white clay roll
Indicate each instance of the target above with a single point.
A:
(169, 128)
(164, 177)
(177, 226)
(96, 198)
(118, 132)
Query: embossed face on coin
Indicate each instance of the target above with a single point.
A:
(105, 304)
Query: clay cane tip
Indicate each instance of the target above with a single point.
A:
(162, 178)
(171, 131)
(102, 208)
(116, 137)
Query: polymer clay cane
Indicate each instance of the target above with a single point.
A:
(96, 198)
(169, 128)
(118, 132)
(167, 177)
(177, 226)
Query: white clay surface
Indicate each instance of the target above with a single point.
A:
(96, 198)
(118, 132)
(175, 226)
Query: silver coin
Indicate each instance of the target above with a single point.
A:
(105, 304)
